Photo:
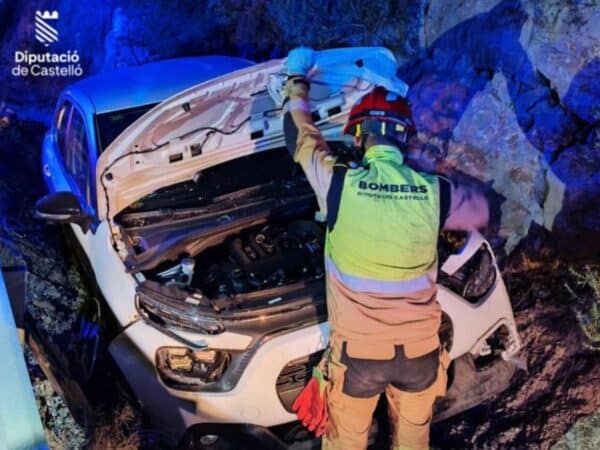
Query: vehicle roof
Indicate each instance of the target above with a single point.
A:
(130, 87)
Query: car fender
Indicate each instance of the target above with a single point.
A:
(116, 285)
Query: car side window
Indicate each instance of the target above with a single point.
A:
(60, 124)
(77, 160)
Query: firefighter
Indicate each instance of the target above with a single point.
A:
(383, 222)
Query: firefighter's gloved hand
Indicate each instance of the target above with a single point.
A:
(300, 60)
(311, 405)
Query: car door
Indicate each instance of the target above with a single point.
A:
(53, 167)
(116, 285)
(76, 157)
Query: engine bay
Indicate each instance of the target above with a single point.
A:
(258, 258)
(247, 225)
(282, 252)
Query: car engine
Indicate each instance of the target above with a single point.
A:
(284, 252)
(258, 258)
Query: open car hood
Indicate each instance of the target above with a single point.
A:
(230, 117)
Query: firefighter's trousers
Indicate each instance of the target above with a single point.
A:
(411, 384)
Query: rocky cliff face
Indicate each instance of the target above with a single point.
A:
(504, 91)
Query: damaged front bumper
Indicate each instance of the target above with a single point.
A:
(253, 398)
(470, 386)
(230, 436)
(194, 364)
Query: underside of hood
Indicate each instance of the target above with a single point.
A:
(230, 117)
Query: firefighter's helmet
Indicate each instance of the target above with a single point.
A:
(382, 112)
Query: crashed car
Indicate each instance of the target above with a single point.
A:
(206, 243)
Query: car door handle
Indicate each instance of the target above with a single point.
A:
(46, 170)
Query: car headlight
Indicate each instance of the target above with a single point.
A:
(187, 313)
(184, 368)
(474, 280)
(481, 277)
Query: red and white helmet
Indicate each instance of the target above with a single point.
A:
(391, 110)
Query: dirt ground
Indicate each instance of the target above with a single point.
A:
(562, 381)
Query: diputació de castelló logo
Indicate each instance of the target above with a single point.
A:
(46, 64)
(45, 27)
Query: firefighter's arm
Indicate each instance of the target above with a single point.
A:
(303, 139)
(467, 206)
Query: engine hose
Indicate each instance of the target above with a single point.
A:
(238, 252)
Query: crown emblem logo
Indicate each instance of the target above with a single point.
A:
(44, 31)
(48, 15)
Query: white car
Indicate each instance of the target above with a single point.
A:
(206, 244)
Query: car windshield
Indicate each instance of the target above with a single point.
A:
(112, 124)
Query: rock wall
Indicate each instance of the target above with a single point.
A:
(508, 91)
(503, 91)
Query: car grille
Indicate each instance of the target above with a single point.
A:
(294, 376)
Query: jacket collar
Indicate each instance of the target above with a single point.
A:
(382, 153)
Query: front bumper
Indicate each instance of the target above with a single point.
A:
(254, 399)
(469, 387)
(230, 436)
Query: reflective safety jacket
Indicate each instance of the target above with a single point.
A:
(383, 223)
(381, 246)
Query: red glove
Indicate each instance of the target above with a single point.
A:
(311, 404)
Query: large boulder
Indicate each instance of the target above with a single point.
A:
(572, 206)
(487, 43)
(488, 143)
(562, 40)
(436, 19)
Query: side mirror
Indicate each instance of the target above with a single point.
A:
(62, 207)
